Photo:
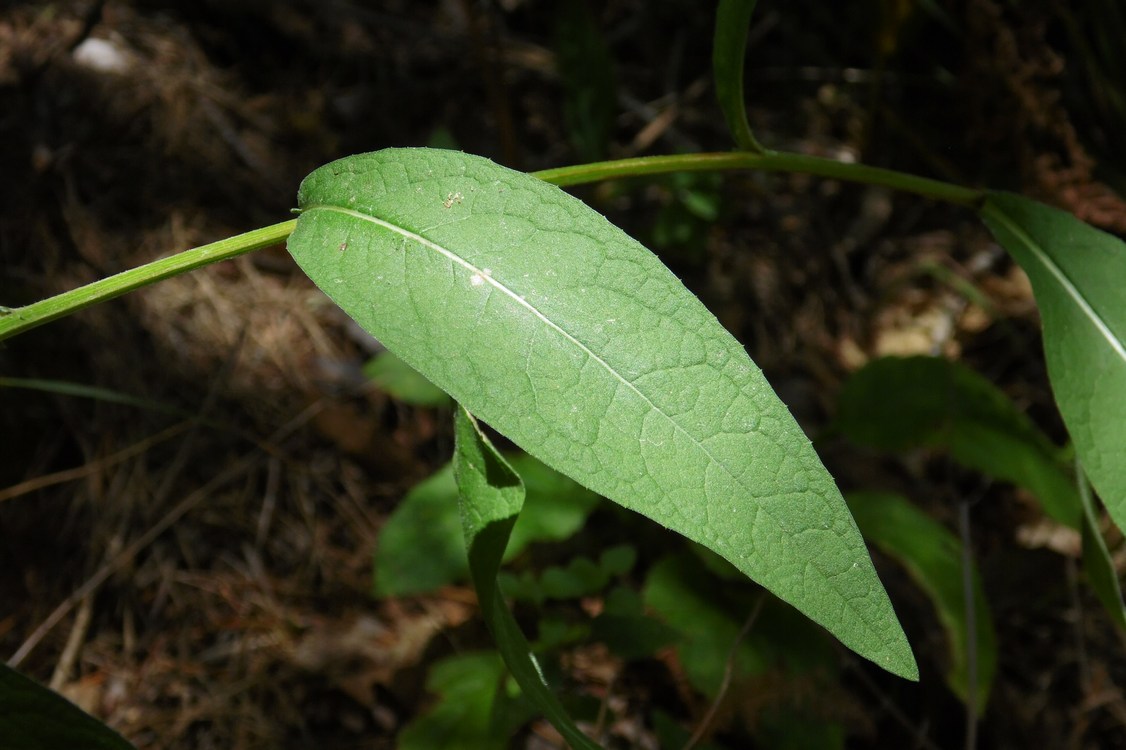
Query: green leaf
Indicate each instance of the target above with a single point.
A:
(35, 718)
(1101, 571)
(732, 22)
(933, 558)
(396, 378)
(896, 403)
(1078, 275)
(472, 711)
(490, 497)
(576, 343)
(421, 546)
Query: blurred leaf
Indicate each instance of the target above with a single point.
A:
(35, 718)
(729, 50)
(625, 628)
(898, 403)
(421, 546)
(472, 712)
(396, 378)
(676, 590)
(933, 558)
(580, 577)
(490, 496)
(579, 345)
(1078, 275)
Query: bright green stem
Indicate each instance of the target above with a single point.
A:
(21, 319)
(771, 161)
(18, 320)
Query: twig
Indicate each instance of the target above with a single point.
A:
(73, 643)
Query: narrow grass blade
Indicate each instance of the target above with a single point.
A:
(1078, 275)
(491, 495)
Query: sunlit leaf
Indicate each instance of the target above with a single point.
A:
(576, 343)
(1078, 275)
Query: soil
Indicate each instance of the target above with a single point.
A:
(192, 563)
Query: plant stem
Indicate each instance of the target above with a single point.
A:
(771, 161)
(20, 319)
(17, 320)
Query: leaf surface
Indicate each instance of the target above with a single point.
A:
(576, 343)
(1078, 276)
(490, 496)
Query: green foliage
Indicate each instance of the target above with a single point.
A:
(900, 403)
(933, 557)
(474, 710)
(577, 344)
(421, 546)
(490, 496)
(1077, 276)
(35, 718)
(396, 378)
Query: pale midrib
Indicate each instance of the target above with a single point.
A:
(524, 303)
(480, 273)
(1063, 280)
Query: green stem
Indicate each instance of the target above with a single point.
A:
(20, 319)
(771, 161)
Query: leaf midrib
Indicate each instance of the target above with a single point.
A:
(1057, 272)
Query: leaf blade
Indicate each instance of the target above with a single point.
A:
(575, 342)
(1076, 273)
(490, 496)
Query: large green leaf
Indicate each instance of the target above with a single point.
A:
(490, 495)
(575, 342)
(35, 718)
(933, 557)
(1078, 275)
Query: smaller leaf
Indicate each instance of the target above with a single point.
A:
(1077, 275)
(933, 558)
(896, 403)
(396, 378)
(490, 497)
(732, 22)
(35, 718)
